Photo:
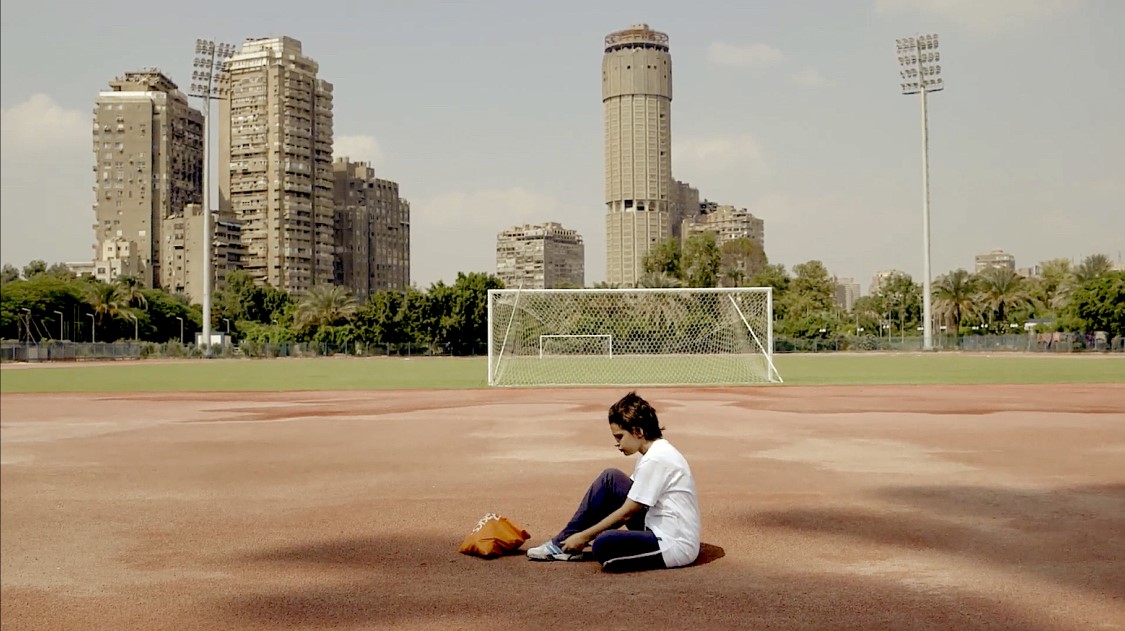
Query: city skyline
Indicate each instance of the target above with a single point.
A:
(796, 117)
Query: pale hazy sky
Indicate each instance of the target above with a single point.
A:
(488, 115)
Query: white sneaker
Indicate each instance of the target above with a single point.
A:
(551, 552)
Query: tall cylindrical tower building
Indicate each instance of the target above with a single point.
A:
(637, 97)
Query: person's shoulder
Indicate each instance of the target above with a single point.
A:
(665, 449)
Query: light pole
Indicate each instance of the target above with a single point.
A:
(93, 329)
(181, 330)
(921, 74)
(62, 319)
(207, 84)
(27, 322)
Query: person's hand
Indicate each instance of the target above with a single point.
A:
(575, 543)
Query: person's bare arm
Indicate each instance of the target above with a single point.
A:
(577, 541)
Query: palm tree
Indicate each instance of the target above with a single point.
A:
(1002, 290)
(324, 305)
(106, 300)
(1091, 267)
(1057, 283)
(659, 280)
(130, 289)
(135, 319)
(953, 297)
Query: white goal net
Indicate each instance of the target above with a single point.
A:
(597, 344)
(630, 337)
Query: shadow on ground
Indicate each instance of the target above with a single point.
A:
(709, 553)
(382, 581)
(1069, 535)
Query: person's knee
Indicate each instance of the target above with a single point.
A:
(602, 547)
(612, 474)
(617, 552)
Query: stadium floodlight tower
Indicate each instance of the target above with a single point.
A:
(208, 83)
(919, 60)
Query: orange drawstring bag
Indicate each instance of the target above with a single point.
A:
(493, 537)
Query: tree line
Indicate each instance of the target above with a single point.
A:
(44, 302)
(1086, 297)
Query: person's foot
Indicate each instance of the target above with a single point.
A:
(552, 552)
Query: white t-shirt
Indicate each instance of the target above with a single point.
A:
(662, 481)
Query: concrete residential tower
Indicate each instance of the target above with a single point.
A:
(148, 161)
(275, 163)
(372, 231)
(637, 98)
(544, 256)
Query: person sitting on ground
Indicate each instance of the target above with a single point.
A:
(657, 504)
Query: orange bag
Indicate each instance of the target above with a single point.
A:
(493, 536)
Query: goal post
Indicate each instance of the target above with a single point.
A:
(630, 337)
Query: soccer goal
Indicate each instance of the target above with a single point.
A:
(630, 337)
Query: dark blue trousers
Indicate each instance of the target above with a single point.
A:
(628, 550)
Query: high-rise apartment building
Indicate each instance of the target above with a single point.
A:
(545, 256)
(637, 100)
(882, 277)
(181, 251)
(275, 163)
(995, 259)
(727, 223)
(148, 149)
(685, 205)
(372, 233)
(847, 291)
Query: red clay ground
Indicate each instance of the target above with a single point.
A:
(969, 507)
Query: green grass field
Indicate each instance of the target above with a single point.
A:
(441, 373)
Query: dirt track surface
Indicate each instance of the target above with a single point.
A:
(969, 507)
